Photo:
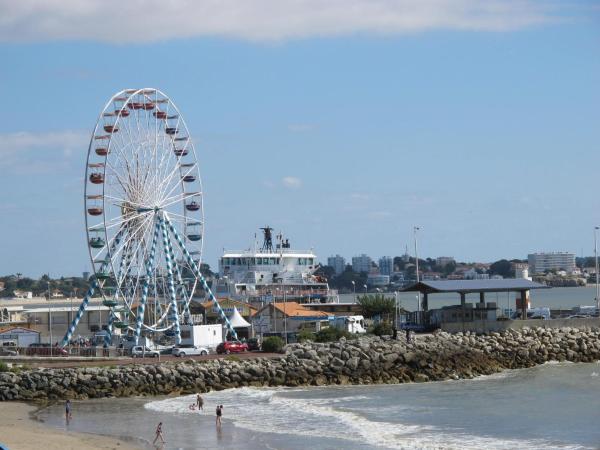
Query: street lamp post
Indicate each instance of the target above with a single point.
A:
(354, 290)
(50, 317)
(285, 316)
(596, 268)
(415, 229)
(365, 286)
(396, 309)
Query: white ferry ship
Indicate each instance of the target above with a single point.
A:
(268, 273)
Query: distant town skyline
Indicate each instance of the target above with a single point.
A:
(341, 127)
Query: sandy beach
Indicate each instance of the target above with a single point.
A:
(19, 431)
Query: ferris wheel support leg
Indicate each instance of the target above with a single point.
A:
(82, 307)
(149, 268)
(109, 329)
(174, 314)
(86, 300)
(198, 274)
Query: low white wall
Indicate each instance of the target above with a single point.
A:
(483, 326)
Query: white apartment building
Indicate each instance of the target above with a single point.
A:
(443, 261)
(361, 263)
(542, 262)
(338, 263)
(386, 265)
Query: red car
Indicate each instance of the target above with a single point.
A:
(232, 347)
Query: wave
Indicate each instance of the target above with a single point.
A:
(280, 411)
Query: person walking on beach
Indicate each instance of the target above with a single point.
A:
(68, 414)
(199, 402)
(407, 335)
(159, 434)
(219, 414)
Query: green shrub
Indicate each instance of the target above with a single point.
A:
(232, 358)
(305, 335)
(4, 367)
(381, 329)
(332, 334)
(272, 344)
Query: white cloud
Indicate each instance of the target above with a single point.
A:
(117, 21)
(291, 182)
(29, 152)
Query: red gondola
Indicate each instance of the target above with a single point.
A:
(122, 112)
(160, 114)
(135, 105)
(101, 151)
(111, 128)
(192, 206)
(97, 178)
(148, 106)
(171, 131)
(189, 178)
(94, 211)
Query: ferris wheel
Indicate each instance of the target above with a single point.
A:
(144, 216)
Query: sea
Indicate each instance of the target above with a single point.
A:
(554, 298)
(552, 406)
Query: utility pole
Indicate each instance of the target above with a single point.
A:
(596, 264)
(415, 230)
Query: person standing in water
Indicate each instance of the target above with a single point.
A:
(159, 434)
(219, 414)
(199, 402)
(68, 415)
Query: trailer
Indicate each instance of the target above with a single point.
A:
(208, 336)
(351, 324)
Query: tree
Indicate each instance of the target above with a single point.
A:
(326, 271)
(502, 267)
(376, 305)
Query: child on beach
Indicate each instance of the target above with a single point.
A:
(159, 434)
(219, 414)
(68, 415)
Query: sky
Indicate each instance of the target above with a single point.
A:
(343, 124)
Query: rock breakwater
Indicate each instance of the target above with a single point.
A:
(366, 360)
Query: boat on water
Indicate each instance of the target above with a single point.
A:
(272, 273)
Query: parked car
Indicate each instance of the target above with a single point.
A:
(253, 344)
(189, 350)
(45, 349)
(8, 351)
(139, 351)
(9, 348)
(232, 347)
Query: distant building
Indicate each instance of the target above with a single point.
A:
(361, 263)
(543, 262)
(443, 261)
(86, 275)
(378, 280)
(521, 270)
(472, 274)
(2, 285)
(23, 294)
(386, 265)
(338, 263)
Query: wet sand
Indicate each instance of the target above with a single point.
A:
(18, 430)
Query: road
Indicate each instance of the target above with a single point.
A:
(62, 362)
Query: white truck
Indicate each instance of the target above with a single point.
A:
(208, 336)
(352, 324)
